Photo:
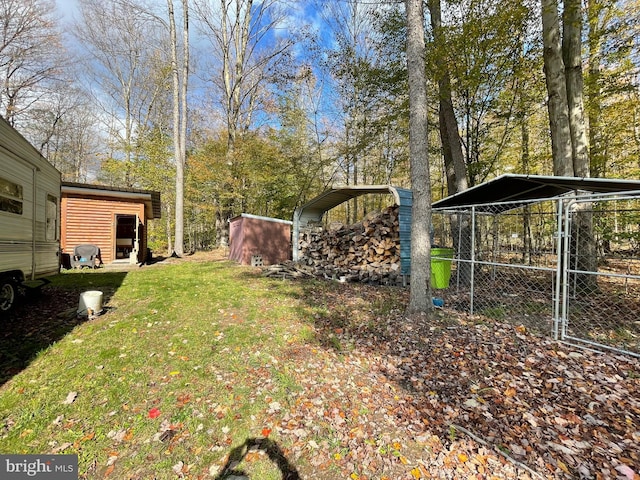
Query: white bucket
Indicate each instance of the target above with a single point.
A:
(91, 300)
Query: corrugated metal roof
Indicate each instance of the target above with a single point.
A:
(151, 198)
(313, 211)
(510, 191)
(259, 217)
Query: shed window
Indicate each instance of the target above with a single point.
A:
(10, 197)
(52, 218)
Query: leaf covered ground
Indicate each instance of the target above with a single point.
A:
(236, 376)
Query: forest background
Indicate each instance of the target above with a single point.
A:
(286, 98)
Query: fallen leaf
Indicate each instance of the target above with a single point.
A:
(266, 431)
(563, 467)
(626, 471)
(177, 468)
(154, 413)
(71, 397)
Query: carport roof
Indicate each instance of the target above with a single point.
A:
(315, 209)
(508, 191)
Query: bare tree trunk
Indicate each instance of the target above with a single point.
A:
(597, 158)
(168, 229)
(449, 132)
(179, 116)
(183, 99)
(420, 293)
(584, 255)
(572, 56)
(557, 91)
(454, 161)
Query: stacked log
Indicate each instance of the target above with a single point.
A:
(367, 251)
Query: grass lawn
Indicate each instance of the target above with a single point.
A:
(201, 369)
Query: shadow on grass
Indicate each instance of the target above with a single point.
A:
(43, 317)
(269, 447)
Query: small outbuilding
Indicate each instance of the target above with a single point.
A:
(113, 219)
(257, 241)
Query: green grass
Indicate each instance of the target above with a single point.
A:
(196, 341)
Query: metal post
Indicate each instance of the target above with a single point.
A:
(473, 258)
(565, 269)
(457, 254)
(558, 280)
(295, 236)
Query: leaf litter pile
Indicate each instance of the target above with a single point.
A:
(455, 397)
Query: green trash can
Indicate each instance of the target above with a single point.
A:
(441, 267)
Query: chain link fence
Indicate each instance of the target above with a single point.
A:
(568, 267)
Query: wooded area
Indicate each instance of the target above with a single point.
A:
(266, 104)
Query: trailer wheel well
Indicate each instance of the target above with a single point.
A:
(9, 282)
(15, 276)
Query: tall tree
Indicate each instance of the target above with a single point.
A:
(180, 79)
(350, 26)
(126, 68)
(454, 162)
(31, 56)
(64, 130)
(563, 71)
(572, 57)
(557, 105)
(612, 28)
(246, 48)
(420, 290)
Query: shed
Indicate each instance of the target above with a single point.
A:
(313, 211)
(114, 219)
(257, 241)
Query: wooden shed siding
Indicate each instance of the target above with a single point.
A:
(92, 220)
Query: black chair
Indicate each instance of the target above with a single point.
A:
(86, 256)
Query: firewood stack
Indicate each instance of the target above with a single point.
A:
(367, 251)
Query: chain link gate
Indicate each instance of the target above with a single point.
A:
(565, 267)
(601, 283)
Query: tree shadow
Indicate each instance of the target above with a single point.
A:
(269, 447)
(44, 316)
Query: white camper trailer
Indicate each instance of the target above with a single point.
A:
(29, 215)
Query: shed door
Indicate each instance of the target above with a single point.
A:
(127, 238)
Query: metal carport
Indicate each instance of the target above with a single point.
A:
(314, 210)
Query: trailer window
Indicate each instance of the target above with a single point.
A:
(10, 197)
(52, 218)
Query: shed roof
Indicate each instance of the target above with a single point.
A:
(151, 199)
(509, 191)
(259, 217)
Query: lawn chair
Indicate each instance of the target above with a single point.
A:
(86, 256)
